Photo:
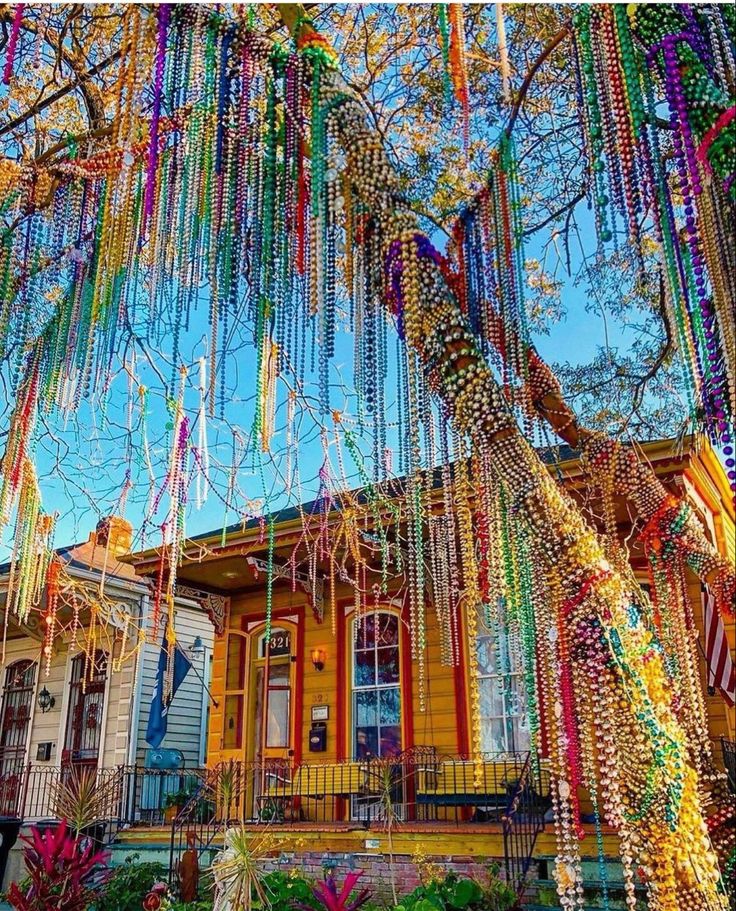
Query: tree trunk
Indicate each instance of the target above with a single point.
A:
(648, 782)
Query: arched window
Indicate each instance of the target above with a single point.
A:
(504, 720)
(15, 718)
(86, 706)
(376, 685)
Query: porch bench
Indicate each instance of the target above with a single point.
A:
(317, 781)
(466, 784)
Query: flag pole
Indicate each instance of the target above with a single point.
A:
(199, 676)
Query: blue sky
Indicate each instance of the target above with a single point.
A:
(82, 460)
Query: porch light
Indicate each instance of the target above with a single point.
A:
(318, 659)
(45, 700)
(197, 646)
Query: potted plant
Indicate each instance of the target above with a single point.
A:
(175, 801)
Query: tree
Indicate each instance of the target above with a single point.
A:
(588, 600)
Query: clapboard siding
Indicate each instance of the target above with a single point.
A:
(185, 717)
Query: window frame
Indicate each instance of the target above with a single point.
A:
(374, 687)
(512, 683)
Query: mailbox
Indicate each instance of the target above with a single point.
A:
(43, 751)
(318, 737)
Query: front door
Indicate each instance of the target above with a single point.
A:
(85, 716)
(15, 717)
(272, 688)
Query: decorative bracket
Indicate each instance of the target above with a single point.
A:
(315, 588)
(215, 606)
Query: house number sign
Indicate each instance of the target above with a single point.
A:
(280, 643)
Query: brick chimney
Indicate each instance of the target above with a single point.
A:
(115, 533)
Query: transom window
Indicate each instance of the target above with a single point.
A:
(376, 691)
(504, 719)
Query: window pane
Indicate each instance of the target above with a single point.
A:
(516, 697)
(496, 741)
(366, 705)
(485, 655)
(366, 634)
(388, 665)
(519, 738)
(277, 723)
(390, 740)
(279, 674)
(390, 706)
(232, 735)
(491, 697)
(235, 662)
(388, 629)
(366, 742)
(365, 668)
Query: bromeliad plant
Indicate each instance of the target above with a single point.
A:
(331, 900)
(63, 872)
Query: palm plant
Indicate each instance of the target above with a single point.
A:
(237, 870)
(78, 797)
(388, 778)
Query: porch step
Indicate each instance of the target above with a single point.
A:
(545, 895)
(147, 852)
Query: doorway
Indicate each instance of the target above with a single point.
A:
(15, 718)
(271, 739)
(86, 711)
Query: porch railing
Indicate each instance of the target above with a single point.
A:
(417, 787)
(728, 750)
(126, 795)
(523, 821)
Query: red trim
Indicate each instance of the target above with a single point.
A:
(298, 611)
(340, 704)
(342, 681)
(460, 674)
(406, 678)
(299, 689)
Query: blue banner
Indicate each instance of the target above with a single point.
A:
(158, 717)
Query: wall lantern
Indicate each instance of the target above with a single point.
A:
(318, 658)
(45, 700)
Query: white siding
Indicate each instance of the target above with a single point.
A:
(185, 717)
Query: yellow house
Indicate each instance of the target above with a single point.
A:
(310, 712)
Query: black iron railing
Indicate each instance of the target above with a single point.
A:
(123, 795)
(523, 821)
(416, 787)
(728, 749)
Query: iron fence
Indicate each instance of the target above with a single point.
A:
(416, 787)
(728, 750)
(122, 796)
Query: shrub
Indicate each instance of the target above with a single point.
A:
(62, 872)
(128, 885)
(455, 892)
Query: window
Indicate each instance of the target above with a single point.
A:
(232, 734)
(376, 691)
(504, 721)
(15, 717)
(86, 701)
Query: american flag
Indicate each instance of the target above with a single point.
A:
(721, 673)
